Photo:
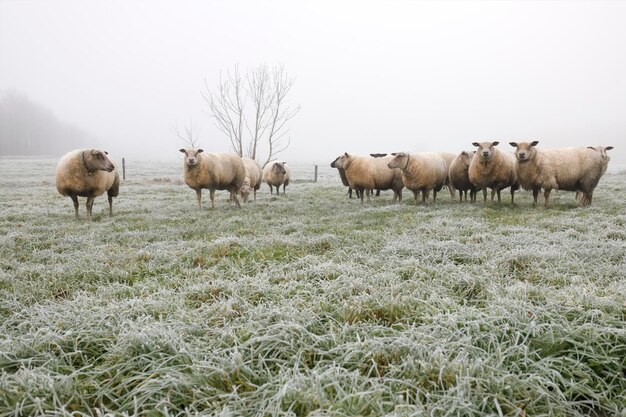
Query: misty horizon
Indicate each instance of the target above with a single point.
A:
(369, 76)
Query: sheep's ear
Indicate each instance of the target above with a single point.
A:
(608, 148)
(106, 153)
(182, 150)
(496, 143)
(346, 154)
(534, 143)
(513, 144)
(591, 147)
(464, 153)
(200, 150)
(394, 153)
(475, 143)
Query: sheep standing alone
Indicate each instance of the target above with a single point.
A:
(569, 169)
(458, 174)
(252, 179)
(492, 168)
(423, 172)
(366, 174)
(214, 171)
(275, 174)
(87, 173)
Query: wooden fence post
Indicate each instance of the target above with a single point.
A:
(315, 179)
(123, 169)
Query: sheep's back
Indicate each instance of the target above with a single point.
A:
(225, 170)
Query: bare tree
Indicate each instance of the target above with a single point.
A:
(189, 136)
(262, 108)
(227, 105)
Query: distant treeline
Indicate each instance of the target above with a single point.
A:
(30, 129)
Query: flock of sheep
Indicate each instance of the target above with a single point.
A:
(90, 173)
(569, 169)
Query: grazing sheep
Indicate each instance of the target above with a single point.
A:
(569, 169)
(252, 179)
(342, 175)
(423, 172)
(492, 168)
(448, 158)
(366, 174)
(214, 171)
(459, 176)
(87, 173)
(275, 174)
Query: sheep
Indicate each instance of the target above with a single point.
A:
(423, 172)
(275, 174)
(448, 158)
(366, 174)
(569, 169)
(252, 179)
(342, 175)
(492, 168)
(214, 171)
(459, 176)
(87, 173)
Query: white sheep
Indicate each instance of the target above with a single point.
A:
(87, 173)
(458, 174)
(424, 171)
(214, 171)
(368, 173)
(275, 174)
(569, 169)
(252, 179)
(492, 168)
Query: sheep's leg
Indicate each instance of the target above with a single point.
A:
(415, 196)
(367, 194)
(89, 205)
(110, 206)
(233, 196)
(512, 196)
(434, 196)
(212, 194)
(199, 197)
(546, 195)
(75, 202)
(498, 192)
(485, 195)
(493, 194)
(271, 189)
(535, 195)
(425, 194)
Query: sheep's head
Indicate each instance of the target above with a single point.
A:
(466, 157)
(97, 160)
(279, 168)
(334, 163)
(245, 189)
(485, 149)
(602, 150)
(342, 160)
(191, 156)
(524, 151)
(400, 160)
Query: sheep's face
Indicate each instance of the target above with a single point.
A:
(99, 161)
(191, 156)
(400, 160)
(334, 163)
(245, 189)
(466, 157)
(602, 150)
(485, 149)
(341, 161)
(524, 151)
(279, 168)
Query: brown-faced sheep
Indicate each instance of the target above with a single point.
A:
(448, 158)
(459, 176)
(252, 179)
(569, 169)
(492, 168)
(366, 174)
(424, 171)
(342, 175)
(275, 174)
(214, 171)
(87, 173)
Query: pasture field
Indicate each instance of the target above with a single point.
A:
(309, 303)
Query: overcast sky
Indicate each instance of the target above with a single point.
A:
(371, 76)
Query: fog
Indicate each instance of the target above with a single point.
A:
(376, 76)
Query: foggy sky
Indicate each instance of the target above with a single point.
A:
(377, 76)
